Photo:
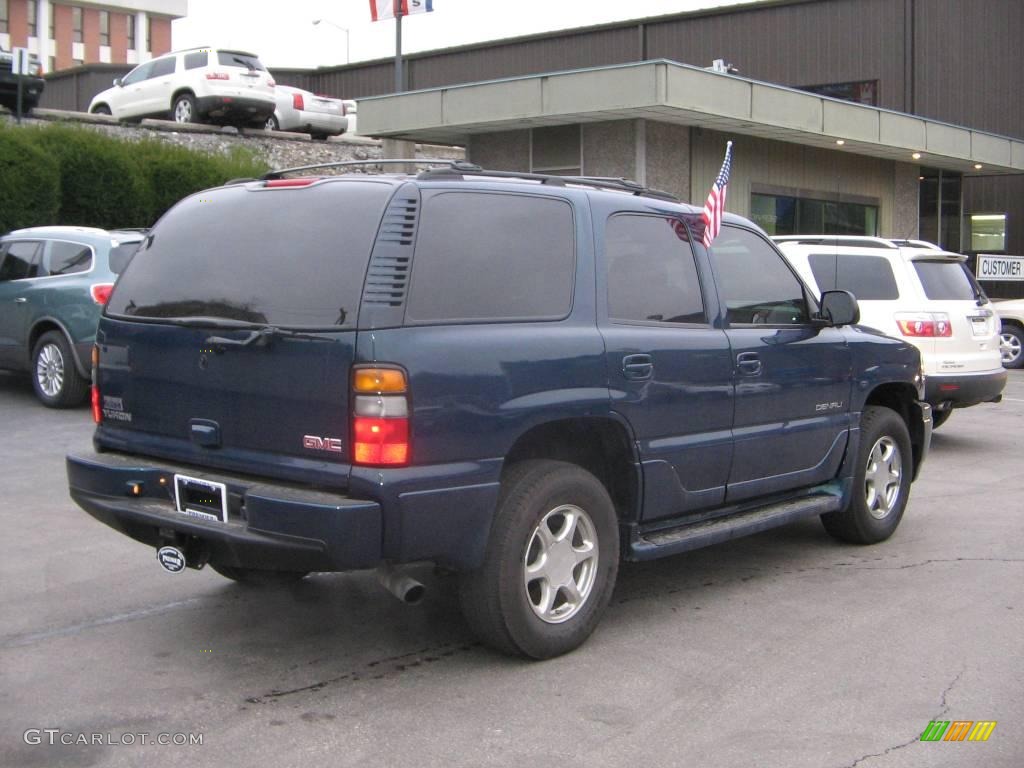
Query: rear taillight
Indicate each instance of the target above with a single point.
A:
(924, 324)
(100, 292)
(217, 76)
(94, 397)
(380, 416)
(297, 102)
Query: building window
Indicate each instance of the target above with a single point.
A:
(32, 9)
(860, 92)
(557, 150)
(988, 232)
(76, 24)
(105, 28)
(3, 16)
(149, 33)
(784, 215)
(939, 206)
(130, 20)
(52, 23)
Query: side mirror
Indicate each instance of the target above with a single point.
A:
(839, 308)
(118, 82)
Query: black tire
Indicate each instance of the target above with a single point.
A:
(884, 459)
(941, 417)
(184, 109)
(502, 605)
(101, 109)
(54, 376)
(253, 577)
(1012, 346)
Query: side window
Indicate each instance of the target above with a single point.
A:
(652, 276)
(68, 258)
(755, 281)
(19, 261)
(140, 73)
(196, 60)
(164, 66)
(484, 256)
(867, 277)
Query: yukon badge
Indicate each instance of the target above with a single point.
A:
(315, 443)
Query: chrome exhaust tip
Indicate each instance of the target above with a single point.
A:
(400, 584)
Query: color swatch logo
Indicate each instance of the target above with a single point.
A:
(958, 730)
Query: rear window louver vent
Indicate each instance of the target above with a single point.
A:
(388, 275)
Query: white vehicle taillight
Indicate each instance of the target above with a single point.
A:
(924, 324)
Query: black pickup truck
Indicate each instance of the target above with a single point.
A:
(32, 84)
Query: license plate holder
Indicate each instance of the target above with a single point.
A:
(979, 326)
(202, 499)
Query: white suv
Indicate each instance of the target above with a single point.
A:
(192, 86)
(913, 290)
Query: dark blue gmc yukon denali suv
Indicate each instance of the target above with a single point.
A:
(524, 379)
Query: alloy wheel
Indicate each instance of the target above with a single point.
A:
(883, 478)
(560, 564)
(50, 370)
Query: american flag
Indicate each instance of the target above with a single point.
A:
(715, 205)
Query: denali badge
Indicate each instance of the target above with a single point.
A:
(314, 443)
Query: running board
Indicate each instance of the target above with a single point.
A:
(648, 546)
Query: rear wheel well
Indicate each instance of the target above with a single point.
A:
(181, 92)
(600, 446)
(898, 398)
(37, 332)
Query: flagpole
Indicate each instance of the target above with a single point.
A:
(398, 47)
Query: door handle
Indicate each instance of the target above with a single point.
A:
(637, 367)
(748, 363)
(20, 300)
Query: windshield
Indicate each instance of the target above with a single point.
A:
(289, 257)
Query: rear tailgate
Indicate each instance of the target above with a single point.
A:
(229, 338)
(972, 345)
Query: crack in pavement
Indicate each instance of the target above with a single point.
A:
(423, 655)
(943, 711)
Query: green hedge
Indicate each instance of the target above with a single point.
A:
(29, 181)
(62, 174)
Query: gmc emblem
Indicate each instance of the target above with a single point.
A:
(314, 443)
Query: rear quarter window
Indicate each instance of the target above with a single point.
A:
(288, 257)
(492, 257)
(869, 278)
(67, 258)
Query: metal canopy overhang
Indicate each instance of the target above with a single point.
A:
(670, 92)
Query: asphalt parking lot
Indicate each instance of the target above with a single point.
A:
(784, 649)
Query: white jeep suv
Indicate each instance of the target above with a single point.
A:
(913, 290)
(194, 85)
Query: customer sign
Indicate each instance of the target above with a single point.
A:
(1000, 268)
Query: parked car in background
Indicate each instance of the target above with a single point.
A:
(299, 110)
(1011, 337)
(193, 86)
(352, 111)
(53, 284)
(915, 291)
(31, 87)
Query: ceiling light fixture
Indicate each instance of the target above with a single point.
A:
(916, 155)
(840, 142)
(978, 166)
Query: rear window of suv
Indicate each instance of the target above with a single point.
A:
(233, 59)
(946, 280)
(285, 257)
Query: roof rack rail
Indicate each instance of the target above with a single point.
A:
(461, 164)
(599, 182)
(837, 240)
(456, 169)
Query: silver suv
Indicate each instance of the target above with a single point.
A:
(195, 85)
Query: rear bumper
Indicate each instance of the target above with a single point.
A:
(235, 106)
(963, 389)
(270, 526)
(438, 513)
